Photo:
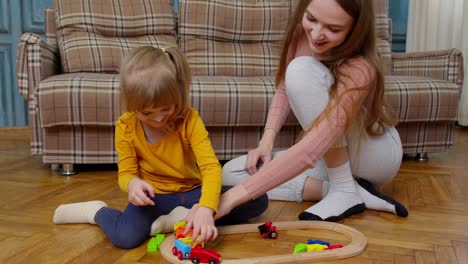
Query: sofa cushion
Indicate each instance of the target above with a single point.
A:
(233, 38)
(93, 99)
(79, 99)
(94, 35)
(234, 101)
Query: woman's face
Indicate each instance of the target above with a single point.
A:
(326, 25)
(156, 117)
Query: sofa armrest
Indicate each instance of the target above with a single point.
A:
(443, 65)
(36, 60)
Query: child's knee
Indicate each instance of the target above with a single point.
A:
(128, 239)
(262, 203)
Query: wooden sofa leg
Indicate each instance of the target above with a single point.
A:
(68, 169)
(422, 156)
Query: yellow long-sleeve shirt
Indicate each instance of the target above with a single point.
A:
(179, 162)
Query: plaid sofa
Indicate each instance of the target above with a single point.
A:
(71, 83)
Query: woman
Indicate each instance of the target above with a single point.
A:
(329, 76)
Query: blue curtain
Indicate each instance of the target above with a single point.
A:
(399, 15)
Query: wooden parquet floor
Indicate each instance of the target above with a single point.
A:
(435, 192)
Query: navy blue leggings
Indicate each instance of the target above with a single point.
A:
(130, 228)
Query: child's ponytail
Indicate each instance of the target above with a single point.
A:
(182, 67)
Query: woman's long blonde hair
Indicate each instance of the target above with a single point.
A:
(155, 77)
(361, 41)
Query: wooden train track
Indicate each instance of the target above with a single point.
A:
(355, 247)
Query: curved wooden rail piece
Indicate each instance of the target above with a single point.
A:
(356, 247)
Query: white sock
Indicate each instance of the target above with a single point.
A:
(165, 223)
(378, 201)
(342, 200)
(77, 213)
(373, 199)
(374, 202)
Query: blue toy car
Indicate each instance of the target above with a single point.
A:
(181, 249)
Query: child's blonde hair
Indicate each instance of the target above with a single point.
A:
(153, 77)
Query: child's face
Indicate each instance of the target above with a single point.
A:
(326, 25)
(156, 117)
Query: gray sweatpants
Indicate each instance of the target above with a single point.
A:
(376, 159)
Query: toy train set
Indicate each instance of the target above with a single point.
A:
(303, 252)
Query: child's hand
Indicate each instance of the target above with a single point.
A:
(138, 192)
(191, 213)
(202, 222)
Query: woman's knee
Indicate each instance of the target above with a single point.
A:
(307, 73)
(233, 171)
(228, 167)
(307, 83)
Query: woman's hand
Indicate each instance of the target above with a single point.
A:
(138, 192)
(261, 153)
(200, 218)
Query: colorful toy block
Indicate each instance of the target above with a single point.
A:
(155, 242)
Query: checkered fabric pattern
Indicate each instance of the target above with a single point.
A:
(50, 28)
(422, 99)
(91, 99)
(443, 65)
(232, 38)
(72, 115)
(95, 144)
(79, 145)
(384, 34)
(429, 137)
(79, 99)
(36, 61)
(93, 36)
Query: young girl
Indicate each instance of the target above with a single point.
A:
(329, 75)
(165, 157)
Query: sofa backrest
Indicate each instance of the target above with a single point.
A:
(232, 38)
(50, 28)
(243, 37)
(217, 50)
(383, 33)
(93, 35)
